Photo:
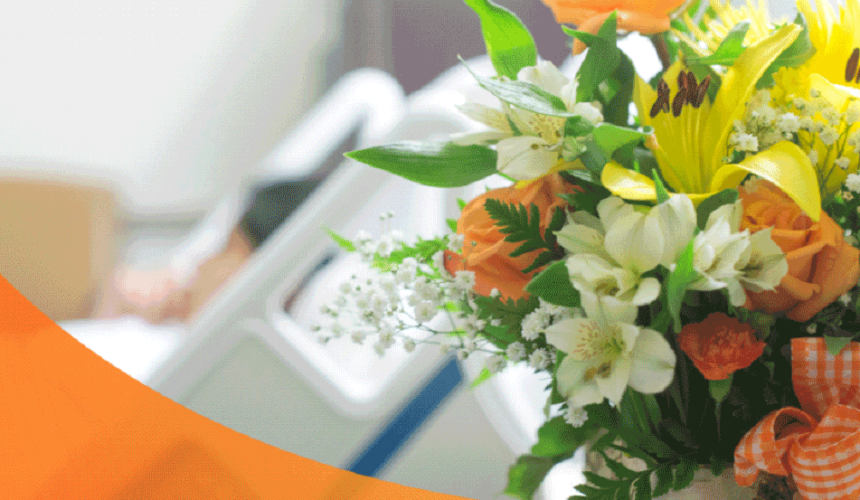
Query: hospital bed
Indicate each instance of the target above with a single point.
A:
(246, 363)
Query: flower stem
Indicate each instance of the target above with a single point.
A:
(662, 50)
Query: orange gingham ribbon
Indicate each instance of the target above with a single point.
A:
(819, 446)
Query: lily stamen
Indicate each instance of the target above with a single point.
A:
(851, 67)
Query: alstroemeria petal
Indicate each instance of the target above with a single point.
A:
(570, 378)
(635, 242)
(525, 157)
(489, 116)
(577, 239)
(677, 219)
(648, 291)
(614, 384)
(786, 166)
(610, 209)
(545, 75)
(577, 337)
(607, 310)
(653, 363)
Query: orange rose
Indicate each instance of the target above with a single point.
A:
(821, 265)
(720, 345)
(645, 16)
(484, 250)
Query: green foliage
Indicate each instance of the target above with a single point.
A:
(525, 476)
(796, 54)
(617, 108)
(520, 225)
(422, 251)
(659, 188)
(593, 159)
(592, 194)
(601, 61)
(610, 138)
(626, 484)
(732, 47)
(481, 378)
(711, 203)
(729, 50)
(676, 286)
(553, 285)
(438, 164)
(342, 242)
(510, 312)
(509, 43)
(719, 389)
(836, 344)
(524, 95)
(556, 437)
(557, 442)
(452, 224)
(577, 126)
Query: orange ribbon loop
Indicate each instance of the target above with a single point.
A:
(819, 446)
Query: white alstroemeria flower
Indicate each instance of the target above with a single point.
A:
(606, 352)
(610, 254)
(592, 274)
(529, 144)
(633, 239)
(677, 220)
(763, 265)
(718, 251)
(545, 75)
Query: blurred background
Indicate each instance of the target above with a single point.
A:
(155, 111)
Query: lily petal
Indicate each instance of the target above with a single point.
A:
(631, 185)
(786, 166)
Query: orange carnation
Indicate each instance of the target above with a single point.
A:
(720, 345)
(821, 265)
(484, 250)
(645, 16)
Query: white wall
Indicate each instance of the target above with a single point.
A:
(171, 99)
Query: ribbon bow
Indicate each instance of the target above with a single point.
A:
(818, 446)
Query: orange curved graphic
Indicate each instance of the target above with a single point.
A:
(76, 427)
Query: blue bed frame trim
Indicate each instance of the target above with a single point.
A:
(396, 433)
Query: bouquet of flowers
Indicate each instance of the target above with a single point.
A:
(677, 254)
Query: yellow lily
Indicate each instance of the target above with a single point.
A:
(693, 145)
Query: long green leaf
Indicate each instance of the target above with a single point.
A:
(609, 137)
(438, 164)
(676, 286)
(602, 59)
(509, 43)
(524, 95)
